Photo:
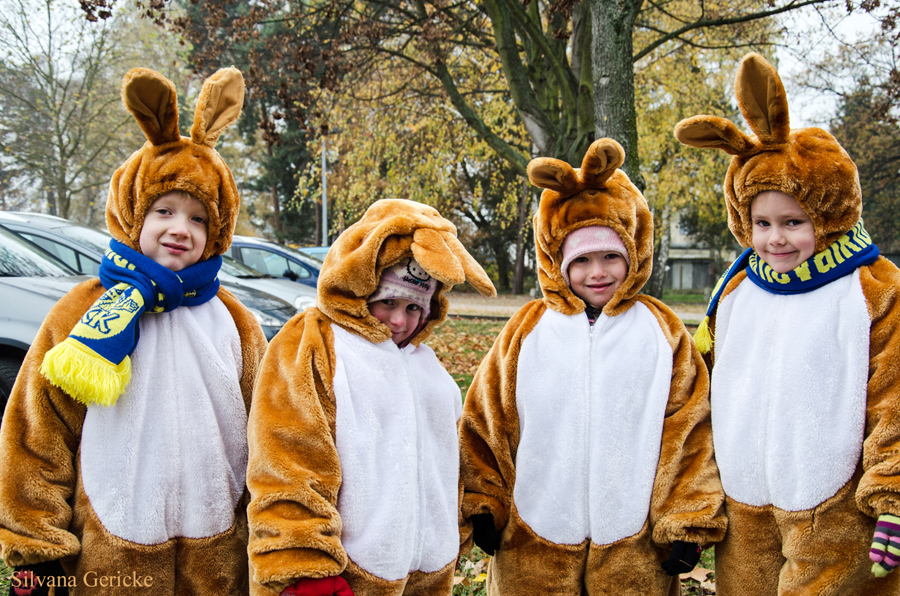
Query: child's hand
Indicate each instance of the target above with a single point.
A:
(485, 535)
(885, 545)
(683, 558)
(320, 586)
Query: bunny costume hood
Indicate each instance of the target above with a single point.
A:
(805, 364)
(128, 488)
(363, 481)
(807, 163)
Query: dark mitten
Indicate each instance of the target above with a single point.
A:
(484, 533)
(35, 580)
(320, 586)
(683, 558)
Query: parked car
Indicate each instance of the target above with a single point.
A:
(275, 259)
(31, 281)
(79, 247)
(318, 252)
(82, 249)
(299, 295)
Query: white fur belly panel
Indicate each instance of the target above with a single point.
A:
(396, 418)
(591, 408)
(789, 392)
(169, 459)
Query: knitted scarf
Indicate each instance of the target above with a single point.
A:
(849, 252)
(92, 364)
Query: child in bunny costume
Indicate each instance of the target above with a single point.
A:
(354, 468)
(805, 385)
(585, 441)
(123, 447)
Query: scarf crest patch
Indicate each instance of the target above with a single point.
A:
(846, 254)
(92, 364)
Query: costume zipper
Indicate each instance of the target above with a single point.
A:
(417, 527)
(587, 427)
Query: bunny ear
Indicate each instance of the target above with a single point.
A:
(151, 99)
(475, 274)
(600, 161)
(218, 106)
(554, 174)
(762, 100)
(713, 132)
(430, 249)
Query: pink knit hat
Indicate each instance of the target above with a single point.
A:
(407, 280)
(590, 239)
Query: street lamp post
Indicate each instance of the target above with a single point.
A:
(324, 196)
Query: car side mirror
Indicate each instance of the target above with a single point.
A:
(290, 275)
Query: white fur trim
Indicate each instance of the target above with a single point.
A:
(591, 407)
(789, 392)
(396, 438)
(169, 459)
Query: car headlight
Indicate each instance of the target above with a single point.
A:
(301, 303)
(264, 319)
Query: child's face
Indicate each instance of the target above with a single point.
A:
(595, 276)
(174, 232)
(401, 316)
(783, 235)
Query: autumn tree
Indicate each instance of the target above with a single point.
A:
(872, 138)
(413, 145)
(59, 113)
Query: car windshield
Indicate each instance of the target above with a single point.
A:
(238, 269)
(20, 258)
(303, 258)
(93, 238)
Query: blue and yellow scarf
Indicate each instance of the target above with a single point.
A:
(92, 364)
(849, 252)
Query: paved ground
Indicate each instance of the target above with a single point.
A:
(465, 303)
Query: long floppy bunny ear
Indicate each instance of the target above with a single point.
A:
(475, 275)
(218, 106)
(553, 174)
(713, 132)
(762, 100)
(600, 162)
(151, 99)
(441, 252)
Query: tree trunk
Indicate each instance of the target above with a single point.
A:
(612, 23)
(657, 282)
(519, 269)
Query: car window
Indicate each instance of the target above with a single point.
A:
(238, 269)
(95, 238)
(60, 251)
(270, 263)
(20, 258)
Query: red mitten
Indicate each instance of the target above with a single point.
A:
(22, 583)
(320, 586)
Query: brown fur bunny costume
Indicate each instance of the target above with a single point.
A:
(590, 445)
(806, 379)
(146, 496)
(353, 452)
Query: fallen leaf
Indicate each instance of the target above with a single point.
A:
(697, 573)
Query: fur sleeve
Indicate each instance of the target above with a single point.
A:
(489, 427)
(687, 493)
(294, 473)
(253, 342)
(39, 441)
(879, 488)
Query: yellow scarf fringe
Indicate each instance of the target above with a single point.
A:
(88, 378)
